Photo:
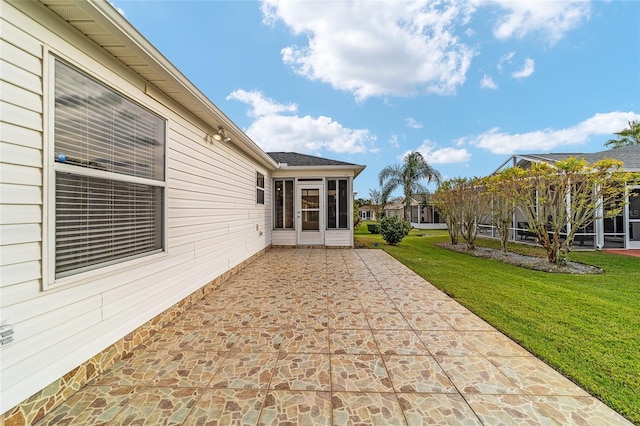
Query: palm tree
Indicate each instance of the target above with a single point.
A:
(408, 175)
(628, 136)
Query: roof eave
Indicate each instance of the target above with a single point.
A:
(111, 20)
(356, 168)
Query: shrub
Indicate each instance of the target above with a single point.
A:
(393, 229)
(373, 228)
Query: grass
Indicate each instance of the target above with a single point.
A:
(585, 326)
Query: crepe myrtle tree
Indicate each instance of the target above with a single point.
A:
(561, 199)
(463, 202)
(500, 188)
(409, 176)
(447, 200)
(474, 207)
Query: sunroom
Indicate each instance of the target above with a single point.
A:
(312, 200)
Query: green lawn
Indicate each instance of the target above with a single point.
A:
(587, 327)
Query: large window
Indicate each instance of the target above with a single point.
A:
(259, 188)
(109, 169)
(283, 204)
(337, 204)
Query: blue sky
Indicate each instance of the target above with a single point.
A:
(466, 83)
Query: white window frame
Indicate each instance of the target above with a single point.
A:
(284, 204)
(260, 189)
(111, 80)
(338, 205)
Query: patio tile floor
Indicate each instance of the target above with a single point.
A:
(321, 337)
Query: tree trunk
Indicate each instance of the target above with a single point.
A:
(505, 236)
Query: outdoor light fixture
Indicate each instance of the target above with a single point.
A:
(221, 135)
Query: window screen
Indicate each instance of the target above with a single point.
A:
(337, 204)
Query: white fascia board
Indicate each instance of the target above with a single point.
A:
(321, 170)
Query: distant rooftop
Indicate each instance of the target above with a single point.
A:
(629, 155)
(295, 159)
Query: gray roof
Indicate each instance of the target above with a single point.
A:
(629, 155)
(294, 159)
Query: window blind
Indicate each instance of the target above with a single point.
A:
(100, 220)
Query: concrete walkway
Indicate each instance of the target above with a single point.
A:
(313, 336)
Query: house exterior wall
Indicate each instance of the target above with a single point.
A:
(397, 212)
(212, 220)
(366, 213)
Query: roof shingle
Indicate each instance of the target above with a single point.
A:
(296, 159)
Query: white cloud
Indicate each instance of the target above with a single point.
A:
(600, 125)
(377, 48)
(393, 140)
(275, 130)
(413, 123)
(487, 83)
(505, 59)
(527, 69)
(447, 155)
(260, 105)
(549, 19)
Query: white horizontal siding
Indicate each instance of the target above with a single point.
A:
(12, 34)
(20, 194)
(338, 238)
(16, 294)
(15, 136)
(59, 321)
(20, 175)
(283, 238)
(28, 100)
(21, 128)
(18, 234)
(213, 220)
(17, 253)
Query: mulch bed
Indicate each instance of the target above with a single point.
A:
(524, 261)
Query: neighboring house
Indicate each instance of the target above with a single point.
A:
(126, 195)
(622, 231)
(394, 208)
(367, 212)
(424, 215)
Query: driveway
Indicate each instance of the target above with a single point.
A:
(317, 336)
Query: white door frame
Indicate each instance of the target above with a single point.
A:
(310, 236)
(633, 220)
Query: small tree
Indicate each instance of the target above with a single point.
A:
(559, 200)
(474, 205)
(377, 203)
(500, 188)
(446, 201)
(393, 229)
(463, 203)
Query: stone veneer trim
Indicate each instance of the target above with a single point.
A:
(39, 404)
